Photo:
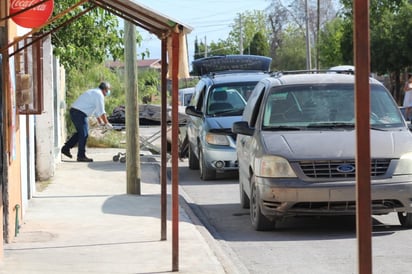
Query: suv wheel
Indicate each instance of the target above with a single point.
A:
(244, 199)
(405, 219)
(259, 221)
(206, 173)
(193, 161)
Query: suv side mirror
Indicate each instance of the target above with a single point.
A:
(190, 110)
(242, 127)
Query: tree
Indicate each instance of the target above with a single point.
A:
(292, 54)
(245, 26)
(89, 39)
(149, 85)
(281, 16)
(390, 39)
(259, 45)
(330, 51)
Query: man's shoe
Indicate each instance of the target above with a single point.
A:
(84, 159)
(66, 151)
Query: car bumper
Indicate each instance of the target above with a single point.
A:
(221, 159)
(294, 197)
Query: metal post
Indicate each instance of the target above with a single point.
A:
(363, 158)
(175, 151)
(163, 166)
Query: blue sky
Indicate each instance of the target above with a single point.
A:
(208, 18)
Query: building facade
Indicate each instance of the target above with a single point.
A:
(32, 111)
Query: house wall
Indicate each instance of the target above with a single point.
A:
(12, 191)
(45, 123)
(3, 41)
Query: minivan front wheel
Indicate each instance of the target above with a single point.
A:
(193, 161)
(244, 199)
(259, 221)
(206, 173)
(405, 218)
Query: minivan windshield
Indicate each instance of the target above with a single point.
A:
(326, 106)
(228, 100)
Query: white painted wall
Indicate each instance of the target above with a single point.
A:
(45, 135)
(27, 171)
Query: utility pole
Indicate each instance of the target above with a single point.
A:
(241, 35)
(205, 47)
(317, 37)
(308, 57)
(132, 114)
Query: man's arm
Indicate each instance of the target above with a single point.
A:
(103, 119)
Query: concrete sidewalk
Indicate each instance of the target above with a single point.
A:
(84, 222)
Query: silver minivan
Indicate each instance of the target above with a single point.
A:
(296, 150)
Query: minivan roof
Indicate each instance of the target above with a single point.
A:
(316, 78)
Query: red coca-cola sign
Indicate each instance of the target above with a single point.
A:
(34, 17)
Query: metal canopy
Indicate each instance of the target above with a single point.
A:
(154, 22)
(173, 37)
(142, 16)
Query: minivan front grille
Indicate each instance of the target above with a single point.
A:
(341, 168)
(347, 205)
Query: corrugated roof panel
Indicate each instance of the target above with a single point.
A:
(142, 16)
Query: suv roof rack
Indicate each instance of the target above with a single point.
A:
(226, 63)
(312, 71)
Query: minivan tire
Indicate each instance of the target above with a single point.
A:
(244, 199)
(206, 173)
(193, 161)
(405, 219)
(259, 221)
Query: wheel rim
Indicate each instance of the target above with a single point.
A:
(402, 217)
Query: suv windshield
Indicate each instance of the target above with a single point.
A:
(326, 106)
(228, 100)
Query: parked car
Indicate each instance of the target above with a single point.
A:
(219, 99)
(296, 147)
(185, 95)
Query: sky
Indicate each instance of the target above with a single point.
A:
(208, 18)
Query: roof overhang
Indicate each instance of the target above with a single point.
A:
(154, 22)
(142, 16)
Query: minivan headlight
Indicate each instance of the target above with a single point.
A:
(217, 139)
(274, 167)
(404, 166)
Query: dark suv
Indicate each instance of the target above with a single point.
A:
(219, 99)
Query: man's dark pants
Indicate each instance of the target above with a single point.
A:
(81, 124)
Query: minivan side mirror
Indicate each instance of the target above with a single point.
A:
(190, 110)
(242, 127)
(409, 126)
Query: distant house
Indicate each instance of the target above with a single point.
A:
(141, 64)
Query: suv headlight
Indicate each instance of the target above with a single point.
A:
(274, 167)
(404, 166)
(217, 139)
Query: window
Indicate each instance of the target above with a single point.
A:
(29, 76)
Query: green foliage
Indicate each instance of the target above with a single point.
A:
(259, 45)
(292, 54)
(330, 51)
(148, 84)
(89, 39)
(248, 24)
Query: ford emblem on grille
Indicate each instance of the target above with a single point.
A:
(345, 168)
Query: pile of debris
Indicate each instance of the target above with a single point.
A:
(148, 115)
